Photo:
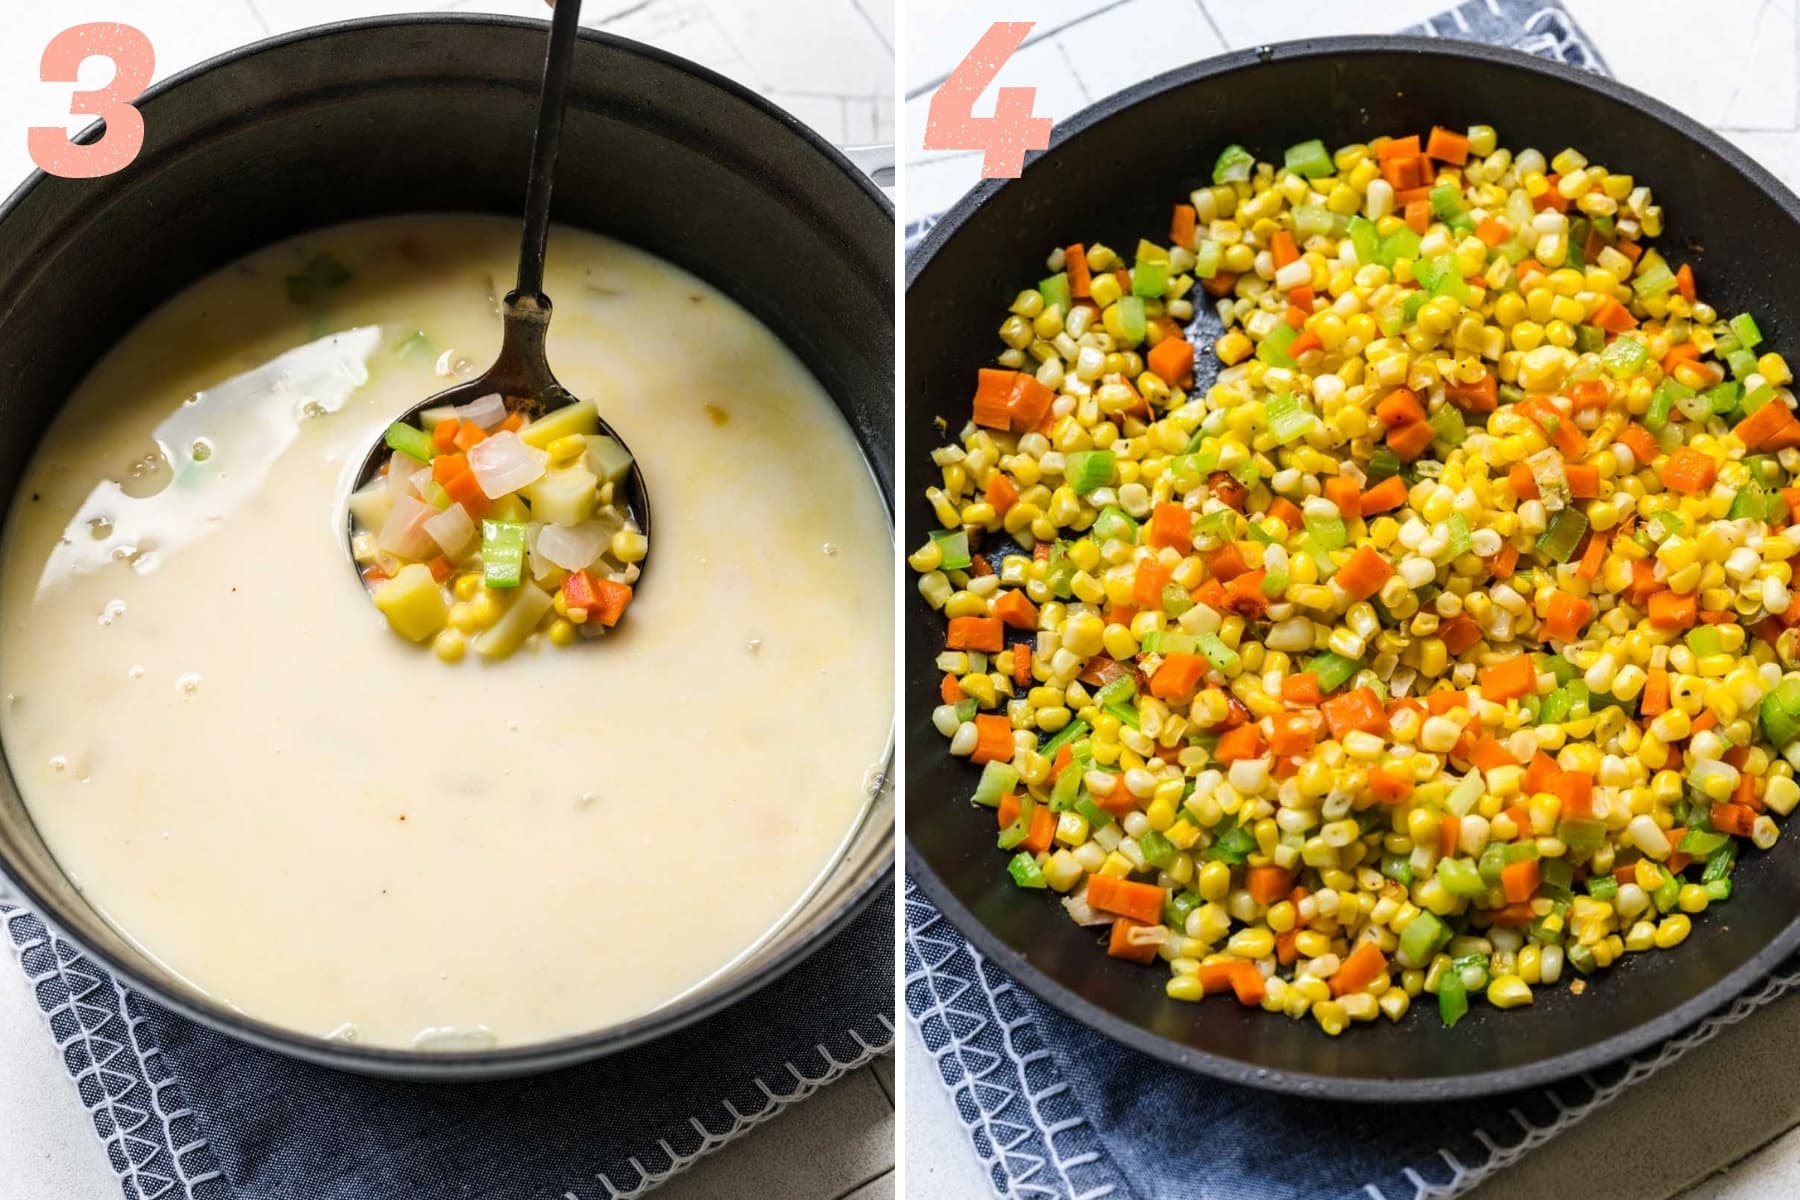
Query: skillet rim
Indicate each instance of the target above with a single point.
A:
(1186, 1055)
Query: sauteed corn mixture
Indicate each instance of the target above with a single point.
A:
(1441, 648)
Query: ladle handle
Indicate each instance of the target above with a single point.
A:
(552, 102)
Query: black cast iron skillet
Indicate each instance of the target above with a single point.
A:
(1112, 174)
(412, 114)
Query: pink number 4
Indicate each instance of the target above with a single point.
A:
(134, 62)
(951, 123)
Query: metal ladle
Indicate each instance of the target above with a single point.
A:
(521, 374)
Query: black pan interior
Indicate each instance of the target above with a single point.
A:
(436, 113)
(1112, 175)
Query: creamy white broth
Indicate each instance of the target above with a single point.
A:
(329, 828)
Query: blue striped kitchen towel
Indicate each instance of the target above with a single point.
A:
(186, 1113)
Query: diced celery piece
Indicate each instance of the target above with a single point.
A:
(410, 441)
(1132, 319)
(1149, 280)
(529, 604)
(1309, 159)
(1460, 540)
(608, 460)
(1206, 259)
(1422, 938)
(564, 496)
(1559, 539)
(1313, 220)
(1329, 532)
(1119, 690)
(1781, 713)
(1333, 670)
(1743, 327)
(1364, 238)
(1626, 356)
(997, 779)
(1089, 469)
(1654, 280)
(1448, 423)
(1233, 165)
(1723, 397)
(1742, 363)
(1025, 871)
(1157, 850)
(1055, 291)
(1221, 656)
(413, 603)
(1114, 523)
(1460, 877)
(953, 544)
(1288, 417)
(1273, 348)
(1402, 243)
(1453, 999)
(1446, 201)
(415, 343)
(502, 553)
(582, 417)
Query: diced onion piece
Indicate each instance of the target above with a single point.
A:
(453, 530)
(503, 464)
(403, 533)
(420, 480)
(573, 547)
(486, 411)
(1552, 480)
(401, 469)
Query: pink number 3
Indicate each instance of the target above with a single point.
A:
(134, 62)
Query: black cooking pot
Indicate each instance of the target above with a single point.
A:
(1112, 174)
(436, 113)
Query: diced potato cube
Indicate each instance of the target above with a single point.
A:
(528, 607)
(608, 460)
(564, 497)
(509, 508)
(369, 506)
(580, 417)
(413, 603)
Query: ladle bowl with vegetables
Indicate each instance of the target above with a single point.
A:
(504, 504)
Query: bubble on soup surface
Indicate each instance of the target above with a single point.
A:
(100, 528)
(188, 684)
(113, 611)
(147, 476)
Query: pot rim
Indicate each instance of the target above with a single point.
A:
(702, 1002)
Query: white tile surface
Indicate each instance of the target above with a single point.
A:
(1736, 69)
(47, 1145)
(838, 77)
